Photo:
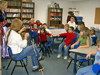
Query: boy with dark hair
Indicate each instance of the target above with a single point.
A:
(70, 35)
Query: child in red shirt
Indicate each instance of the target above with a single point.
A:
(38, 23)
(43, 41)
(31, 22)
(70, 35)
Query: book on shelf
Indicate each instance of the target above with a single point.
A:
(14, 3)
(27, 15)
(26, 21)
(13, 15)
(27, 0)
(27, 10)
(13, 10)
(27, 5)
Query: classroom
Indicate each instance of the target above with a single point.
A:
(49, 37)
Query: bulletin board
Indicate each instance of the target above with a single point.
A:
(97, 16)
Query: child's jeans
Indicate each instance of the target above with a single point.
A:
(44, 48)
(29, 51)
(61, 46)
(86, 71)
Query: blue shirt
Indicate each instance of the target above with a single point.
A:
(97, 57)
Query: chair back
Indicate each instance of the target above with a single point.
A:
(94, 39)
(10, 52)
(76, 38)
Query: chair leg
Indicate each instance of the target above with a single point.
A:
(48, 51)
(69, 63)
(8, 64)
(26, 62)
(88, 63)
(14, 67)
(21, 63)
(25, 67)
(80, 63)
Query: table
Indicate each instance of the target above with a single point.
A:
(82, 51)
(55, 32)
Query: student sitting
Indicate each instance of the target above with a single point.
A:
(66, 27)
(31, 23)
(39, 24)
(19, 45)
(46, 28)
(81, 27)
(93, 69)
(70, 35)
(84, 39)
(72, 22)
(93, 37)
(34, 34)
(43, 41)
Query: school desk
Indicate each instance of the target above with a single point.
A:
(81, 51)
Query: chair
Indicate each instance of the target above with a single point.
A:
(78, 60)
(16, 60)
(48, 51)
(94, 39)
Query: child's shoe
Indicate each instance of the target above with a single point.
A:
(65, 57)
(40, 68)
(58, 56)
(35, 68)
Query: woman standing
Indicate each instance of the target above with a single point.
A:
(71, 14)
(3, 29)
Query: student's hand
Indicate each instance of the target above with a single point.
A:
(99, 63)
(64, 46)
(26, 36)
(72, 46)
(23, 29)
(51, 36)
(88, 56)
(58, 35)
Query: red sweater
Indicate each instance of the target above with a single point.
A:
(69, 37)
(31, 24)
(43, 36)
(33, 29)
(38, 24)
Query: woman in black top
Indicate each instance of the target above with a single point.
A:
(3, 28)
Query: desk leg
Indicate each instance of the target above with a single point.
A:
(75, 60)
(53, 43)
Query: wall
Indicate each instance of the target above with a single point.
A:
(87, 10)
(41, 9)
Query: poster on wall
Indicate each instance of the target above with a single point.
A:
(74, 10)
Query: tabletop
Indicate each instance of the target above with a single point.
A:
(84, 50)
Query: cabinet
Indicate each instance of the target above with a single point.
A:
(20, 9)
(55, 16)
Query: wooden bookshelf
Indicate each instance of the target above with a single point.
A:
(20, 9)
(55, 16)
